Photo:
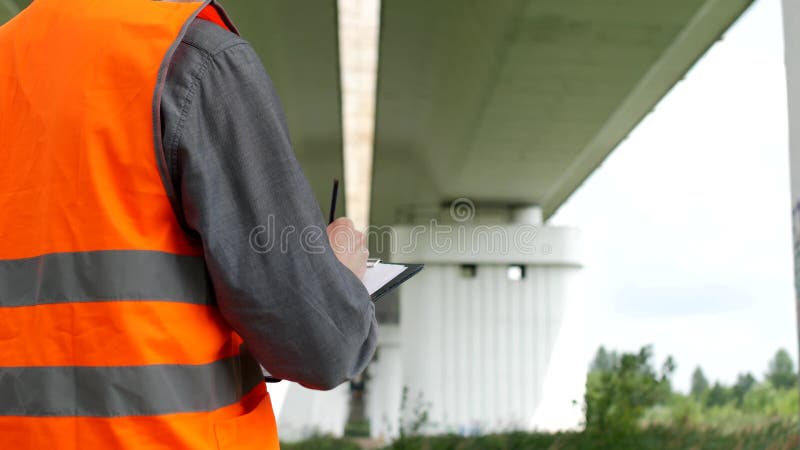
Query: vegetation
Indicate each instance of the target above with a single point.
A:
(776, 437)
(781, 372)
(620, 389)
(630, 405)
(322, 443)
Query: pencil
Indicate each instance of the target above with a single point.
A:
(334, 196)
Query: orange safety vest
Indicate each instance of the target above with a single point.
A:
(109, 333)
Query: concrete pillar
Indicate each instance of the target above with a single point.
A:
(791, 25)
(385, 384)
(479, 326)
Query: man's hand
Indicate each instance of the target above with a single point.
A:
(349, 245)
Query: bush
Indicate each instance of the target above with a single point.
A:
(617, 398)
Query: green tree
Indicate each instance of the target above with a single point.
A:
(603, 360)
(616, 399)
(718, 395)
(781, 371)
(699, 383)
(744, 382)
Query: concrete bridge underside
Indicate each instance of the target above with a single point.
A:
(513, 101)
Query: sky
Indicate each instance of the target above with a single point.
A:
(686, 226)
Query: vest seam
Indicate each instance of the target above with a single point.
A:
(159, 151)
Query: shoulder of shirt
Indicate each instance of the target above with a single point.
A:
(200, 44)
(210, 38)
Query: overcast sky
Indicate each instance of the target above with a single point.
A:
(686, 226)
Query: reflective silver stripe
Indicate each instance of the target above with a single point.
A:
(125, 391)
(104, 275)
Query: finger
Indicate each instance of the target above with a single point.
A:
(344, 222)
(339, 223)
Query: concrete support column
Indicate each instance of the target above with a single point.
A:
(791, 25)
(479, 326)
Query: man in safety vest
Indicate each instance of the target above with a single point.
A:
(157, 236)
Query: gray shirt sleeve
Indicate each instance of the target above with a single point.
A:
(241, 192)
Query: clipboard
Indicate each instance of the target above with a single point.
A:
(382, 278)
